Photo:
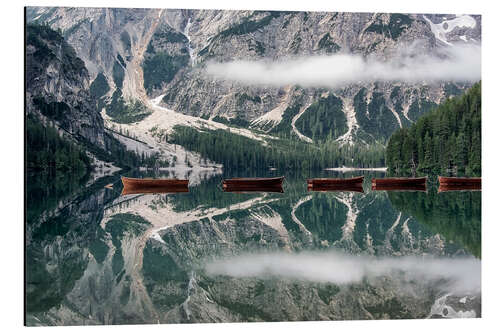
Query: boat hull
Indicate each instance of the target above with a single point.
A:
(252, 182)
(459, 181)
(150, 185)
(151, 182)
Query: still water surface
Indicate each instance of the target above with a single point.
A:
(95, 257)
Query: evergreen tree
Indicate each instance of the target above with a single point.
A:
(446, 140)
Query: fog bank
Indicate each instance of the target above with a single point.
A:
(454, 63)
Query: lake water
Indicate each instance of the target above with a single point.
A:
(95, 257)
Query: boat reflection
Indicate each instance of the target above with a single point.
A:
(155, 190)
(253, 189)
(459, 181)
(469, 187)
(336, 188)
(400, 187)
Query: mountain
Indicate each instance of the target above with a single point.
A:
(159, 57)
(57, 86)
(60, 106)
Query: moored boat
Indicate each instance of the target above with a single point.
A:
(315, 182)
(153, 182)
(253, 182)
(455, 181)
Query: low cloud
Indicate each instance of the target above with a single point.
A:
(461, 274)
(456, 63)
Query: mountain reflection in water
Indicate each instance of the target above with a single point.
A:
(95, 257)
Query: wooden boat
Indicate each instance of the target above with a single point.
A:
(400, 187)
(151, 185)
(134, 183)
(399, 181)
(454, 181)
(248, 189)
(336, 188)
(155, 189)
(253, 182)
(316, 182)
(469, 187)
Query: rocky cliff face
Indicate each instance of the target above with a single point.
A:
(59, 94)
(166, 51)
(57, 87)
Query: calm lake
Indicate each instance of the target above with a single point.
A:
(96, 257)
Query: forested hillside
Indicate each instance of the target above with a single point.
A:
(46, 150)
(237, 152)
(445, 141)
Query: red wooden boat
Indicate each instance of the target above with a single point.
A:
(314, 182)
(150, 183)
(455, 181)
(253, 182)
(399, 181)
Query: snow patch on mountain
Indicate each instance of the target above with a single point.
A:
(192, 55)
(396, 115)
(272, 118)
(151, 140)
(167, 119)
(406, 109)
(352, 123)
(441, 29)
(296, 117)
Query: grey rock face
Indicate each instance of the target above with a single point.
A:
(57, 84)
(213, 35)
